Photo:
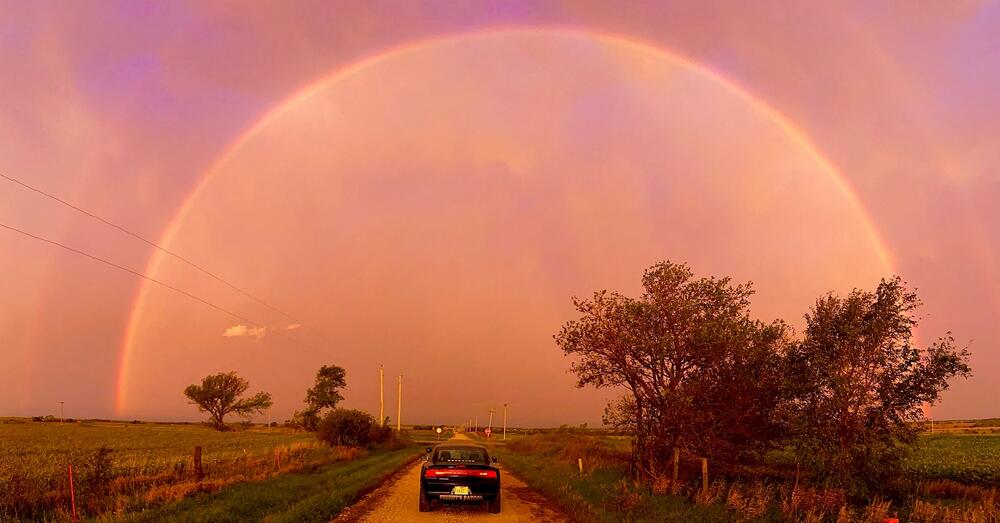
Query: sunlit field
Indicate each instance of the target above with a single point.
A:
(122, 466)
(142, 447)
(953, 473)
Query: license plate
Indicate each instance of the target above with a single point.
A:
(461, 491)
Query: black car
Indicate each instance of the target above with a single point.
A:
(456, 473)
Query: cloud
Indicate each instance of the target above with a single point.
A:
(240, 331)
(293, 326)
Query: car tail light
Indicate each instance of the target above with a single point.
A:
(475, 473)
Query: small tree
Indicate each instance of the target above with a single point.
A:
(324, 395)
(863, 383)
(220, 394)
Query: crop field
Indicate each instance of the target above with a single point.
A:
(966, 458)
(124, 466)
(143, 446)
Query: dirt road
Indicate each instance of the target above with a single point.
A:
(397, 501)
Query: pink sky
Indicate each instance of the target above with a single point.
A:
(425, 186)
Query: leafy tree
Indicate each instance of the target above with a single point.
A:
(326, 394)
(221, 394)
(863, 383)
(698, 372)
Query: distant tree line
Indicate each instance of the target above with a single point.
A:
(701, 375)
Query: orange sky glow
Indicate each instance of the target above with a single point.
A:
(426, 187)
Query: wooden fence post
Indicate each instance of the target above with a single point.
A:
(579, 463)
(198, 474)
(72, 494)
(704, 475)
(677, 462)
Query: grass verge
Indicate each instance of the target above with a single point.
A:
(318, 494)
(603, 492)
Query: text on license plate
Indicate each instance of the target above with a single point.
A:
(461, 491)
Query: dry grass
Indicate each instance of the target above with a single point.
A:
(982, 512)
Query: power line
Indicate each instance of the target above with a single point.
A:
(161, 283)
(134, 273)
(157, 247)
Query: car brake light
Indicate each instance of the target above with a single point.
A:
(478, 473)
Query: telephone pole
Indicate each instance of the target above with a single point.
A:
(399, 405)
(491, 419)
(505, 422)
(381, 397)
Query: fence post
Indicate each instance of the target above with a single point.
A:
(72, 494)
(579, 463)
(677, 462)
(277, 458)
(197, 464)
(704, 475)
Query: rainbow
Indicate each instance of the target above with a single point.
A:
(127, 352)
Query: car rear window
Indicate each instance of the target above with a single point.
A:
(460, 455)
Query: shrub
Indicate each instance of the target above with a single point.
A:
(352, 428)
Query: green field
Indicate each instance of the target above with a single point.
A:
(966, 458)
(146, 471)
(127, 467)
(143, 447)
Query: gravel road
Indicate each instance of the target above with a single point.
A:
(397, 501)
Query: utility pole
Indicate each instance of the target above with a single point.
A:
(477, 423)
(381, 397)
(505, 422)
(491, 419)
(399, 405)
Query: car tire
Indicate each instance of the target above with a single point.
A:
(495, 504)
(425, 504)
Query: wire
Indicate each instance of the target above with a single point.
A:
(135, 273)
(158, 247)
(161, 283)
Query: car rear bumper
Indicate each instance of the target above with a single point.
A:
(478, 490)
(453, 497)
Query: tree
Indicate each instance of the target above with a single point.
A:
(698, 373)
(324, 395)
(221, 394)
(863, 383)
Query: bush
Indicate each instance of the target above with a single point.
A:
(307, 420)
(352, 428)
